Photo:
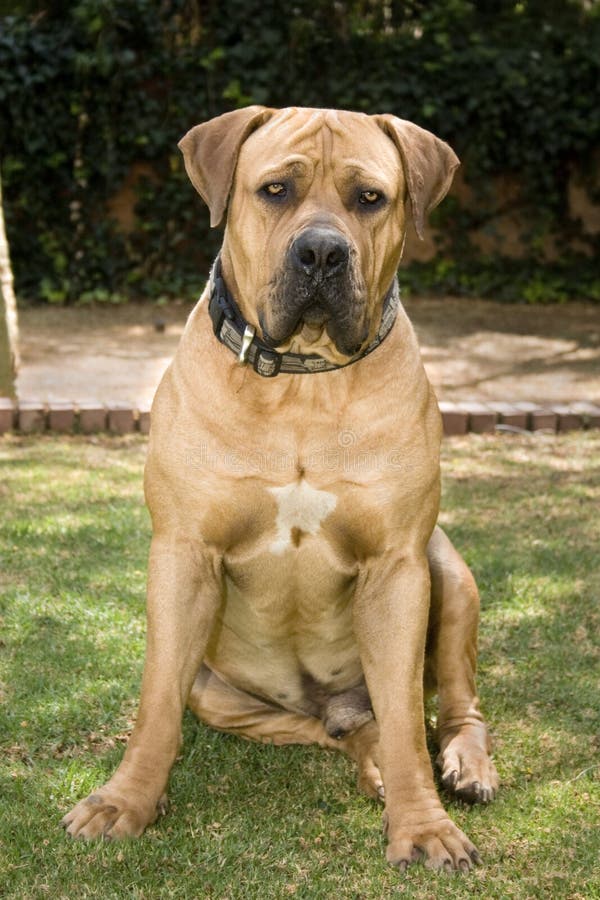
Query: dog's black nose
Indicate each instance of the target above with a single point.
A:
(320, 251)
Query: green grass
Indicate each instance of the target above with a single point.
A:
(260, 822)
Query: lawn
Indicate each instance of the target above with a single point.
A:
(251, 821)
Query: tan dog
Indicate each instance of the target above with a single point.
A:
(296, 573)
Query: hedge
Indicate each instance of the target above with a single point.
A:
(90, 89)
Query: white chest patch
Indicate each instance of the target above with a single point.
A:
(299, 506)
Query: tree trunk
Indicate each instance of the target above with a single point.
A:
(9, 353)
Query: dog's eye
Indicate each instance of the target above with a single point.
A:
(277, 189)
(369, 198)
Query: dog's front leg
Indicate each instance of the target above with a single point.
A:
(390, 620)
(183, 595)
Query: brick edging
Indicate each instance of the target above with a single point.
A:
(37, 416)
(483, 418)
(89, 417)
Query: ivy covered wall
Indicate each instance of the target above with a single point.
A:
(95, 94)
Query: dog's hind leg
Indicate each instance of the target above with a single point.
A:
(464, 758)
(227, 708)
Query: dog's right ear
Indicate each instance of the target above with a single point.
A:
(210, 152)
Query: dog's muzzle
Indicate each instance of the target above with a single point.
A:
(318, 286)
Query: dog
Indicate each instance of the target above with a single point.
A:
(299, 589)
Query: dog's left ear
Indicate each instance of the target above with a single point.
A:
(429, 165)
(210, 152)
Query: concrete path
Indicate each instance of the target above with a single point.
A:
(472, 350)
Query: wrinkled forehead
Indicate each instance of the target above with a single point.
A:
(335, 140)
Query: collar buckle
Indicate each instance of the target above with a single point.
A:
(247, 338)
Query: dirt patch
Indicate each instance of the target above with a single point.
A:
(471, 349)
(97, 353)
(495, 351)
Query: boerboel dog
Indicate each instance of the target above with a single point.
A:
(299, 590)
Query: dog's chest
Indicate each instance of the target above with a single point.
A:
(296, 513)
(286, 615)
(298, 562)
(301, 510)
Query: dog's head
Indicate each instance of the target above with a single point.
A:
(315, 204)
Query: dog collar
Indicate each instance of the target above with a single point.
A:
(232, 330)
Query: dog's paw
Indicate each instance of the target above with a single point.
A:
(370, 781)
(110, 815)
(363, 747)
(467, 771)
(439, 845)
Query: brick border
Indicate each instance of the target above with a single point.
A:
(63, 417)
(90, 417)
(484, 418)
